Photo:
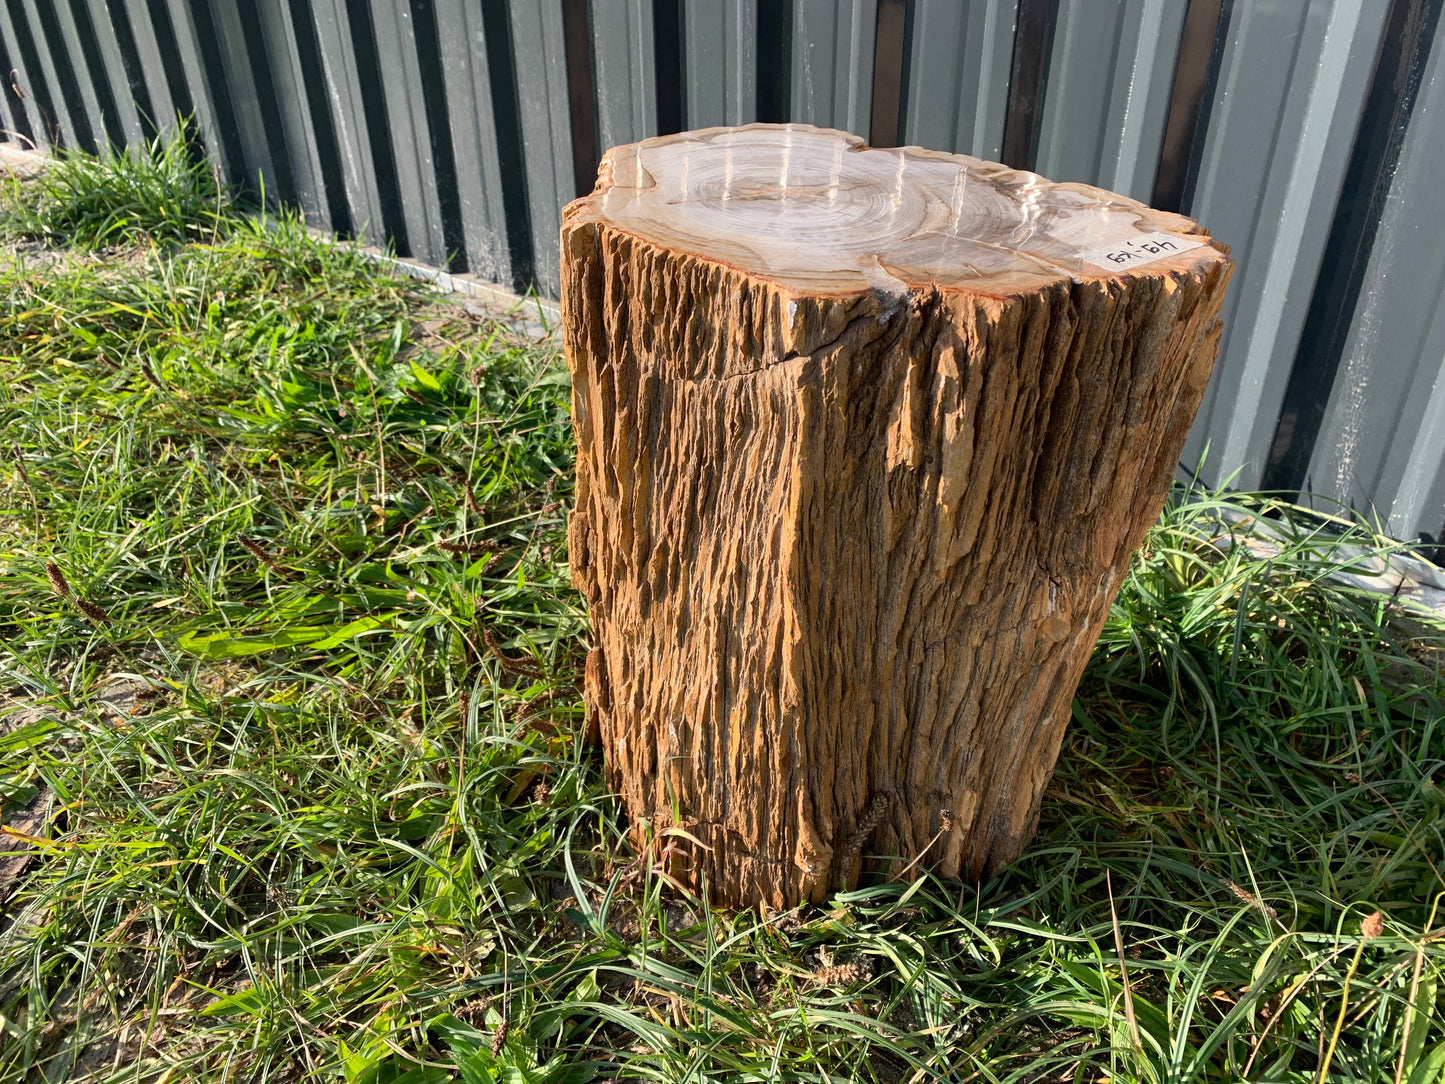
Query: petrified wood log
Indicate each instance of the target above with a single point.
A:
(865, 440)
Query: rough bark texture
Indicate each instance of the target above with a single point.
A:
(853, 500)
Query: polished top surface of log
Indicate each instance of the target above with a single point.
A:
(817, 211)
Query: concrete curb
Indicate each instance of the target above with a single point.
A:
(534, 316)
(20, 160)
(1411, 582)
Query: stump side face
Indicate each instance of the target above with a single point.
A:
(846, 551)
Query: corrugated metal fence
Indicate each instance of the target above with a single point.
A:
(1308, 134)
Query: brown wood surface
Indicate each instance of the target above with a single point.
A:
(865, 440)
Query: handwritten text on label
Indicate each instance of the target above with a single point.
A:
(1145, 248)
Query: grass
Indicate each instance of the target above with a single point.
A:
(301, 694)
(158, 193)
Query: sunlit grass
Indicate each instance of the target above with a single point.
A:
(158, 192)
(322, 808)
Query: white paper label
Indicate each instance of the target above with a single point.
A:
(1145, 248)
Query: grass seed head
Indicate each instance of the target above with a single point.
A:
(58, 582)
(510, 665)
(499, 1036)
(877, 808)
(473, 1011)
(1373, 925)
(838, 975)
(467, 549)
(92, 611)
(255, 549)
(149, 373)
(1249, 898)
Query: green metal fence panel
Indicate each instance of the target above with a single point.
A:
(76, 48)
(1110, 76)
(958, 75)
(157, 83)
(720, 61)
(624, 76)
(1292, 85)
(472, 116)
(231, 50)
(102, 51)
(202, 79)
(25, 77)
(288, 113)
(832, 48)
(14, 124)
(1382, 444)
(1304, 133)
(541, 75)
(68, 111)
(406, 117)
(361, 162)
